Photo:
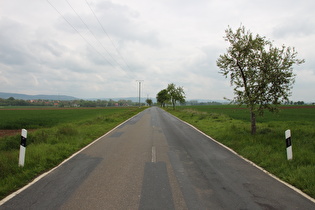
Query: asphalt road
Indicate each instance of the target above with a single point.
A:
(155, 161)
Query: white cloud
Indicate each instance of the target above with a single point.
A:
(47, 49)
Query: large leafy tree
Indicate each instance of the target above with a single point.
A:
(176, 94)
(171, 94)
(262, 74)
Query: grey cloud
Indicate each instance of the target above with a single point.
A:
(49, 47)
(12, 47)
(125, 24)
(162, 41)
(295, 27)
(20, 45)
(120, 22)
(11, 55)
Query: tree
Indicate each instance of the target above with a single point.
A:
(261, 73)
(171, 94)
(176, 94)
(162, 97)
(149, 101)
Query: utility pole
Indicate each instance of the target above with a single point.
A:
(139, 91)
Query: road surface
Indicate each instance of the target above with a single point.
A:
(155, 161)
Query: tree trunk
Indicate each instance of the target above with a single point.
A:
(253, 122)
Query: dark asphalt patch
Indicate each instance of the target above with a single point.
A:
(116, 134)
(56, 187)
(156, 190)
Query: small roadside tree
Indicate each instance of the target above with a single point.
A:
(262, 75)
(149, 101)
(176, 94)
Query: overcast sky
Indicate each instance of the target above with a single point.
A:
(99, 48)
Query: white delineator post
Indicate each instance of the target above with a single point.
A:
(288, 144)
(22, 147)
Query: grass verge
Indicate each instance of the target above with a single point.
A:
(47, 147)
(267, 148)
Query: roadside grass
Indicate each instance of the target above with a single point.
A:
(49, 146)
(267, 148)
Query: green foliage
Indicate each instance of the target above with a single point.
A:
(176, 94)
(227, 124)
(171, 94)
(149, 102)
(262, 75)
(48, 146)
(162, 97)
(65, 103)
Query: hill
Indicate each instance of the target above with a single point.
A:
(34, 97)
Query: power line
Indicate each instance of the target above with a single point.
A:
(107, 35)
(88, 28)
(80, 34)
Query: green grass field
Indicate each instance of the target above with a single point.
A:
(230, 125)
(44, 118)
(56, 134)
(286, 113)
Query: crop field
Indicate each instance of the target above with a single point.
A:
(53, 135)
(230, 125)
(286, 113)
(31, 118)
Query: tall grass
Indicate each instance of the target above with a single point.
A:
(48, 146)
(267, 148)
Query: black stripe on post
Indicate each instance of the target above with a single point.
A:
(288, 142)
(23, 141)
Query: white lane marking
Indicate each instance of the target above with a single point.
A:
(153, 160)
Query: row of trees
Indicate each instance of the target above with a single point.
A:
(172, 95)
(198, 103)
(71, 103)
(13, 102)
